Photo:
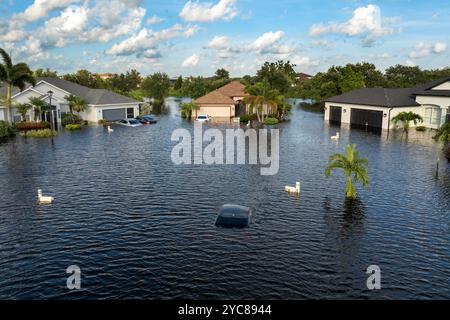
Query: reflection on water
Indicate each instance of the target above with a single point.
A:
(139, 226)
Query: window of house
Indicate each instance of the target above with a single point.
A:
(432, 116)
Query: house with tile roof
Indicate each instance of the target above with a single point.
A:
(102, 104)
(224, 102)
(375, 107)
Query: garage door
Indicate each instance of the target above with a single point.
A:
(335, 114)
(369, 119)
(216, 111)
(114, 114)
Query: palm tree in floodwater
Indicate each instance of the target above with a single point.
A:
(405, 118)
(353, 166)
(14, 75)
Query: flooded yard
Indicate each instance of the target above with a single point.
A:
(139, 226)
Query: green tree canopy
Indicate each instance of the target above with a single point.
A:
(280, 75)
(222, 74)
(86, 78)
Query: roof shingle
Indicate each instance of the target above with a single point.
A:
(214, 97)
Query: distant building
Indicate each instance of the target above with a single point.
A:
(102, 104)
(106, 76)
(375, 107)
(224, 102)
(303, 76)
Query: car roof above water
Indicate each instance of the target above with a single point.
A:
(233, 215)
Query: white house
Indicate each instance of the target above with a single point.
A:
(375, 107)
(102, 104)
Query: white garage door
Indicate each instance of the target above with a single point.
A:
(114, 114)
(216, 111)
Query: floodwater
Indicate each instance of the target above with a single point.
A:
(139, 226)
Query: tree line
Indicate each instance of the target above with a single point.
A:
(340, 79)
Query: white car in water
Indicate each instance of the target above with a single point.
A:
(202, 118)
(130, 123)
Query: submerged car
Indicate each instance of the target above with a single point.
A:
(130, 123)
(146, 119)
(202, 118)
(234, 216)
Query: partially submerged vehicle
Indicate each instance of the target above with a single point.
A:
(234, 216)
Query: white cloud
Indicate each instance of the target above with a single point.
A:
(40, 8)
(266, 40)
(145, 42)
(439, 47)
(423, 50)
(305, 62)
(194, 11)
(103, 22)
(219, 42)
(269, 43)
(190, 31)
(154, 20)
(365, 23)
(410, 63)
(191, 61)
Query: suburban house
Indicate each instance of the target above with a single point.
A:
(224, 102)
(102, 104)
(375, 107)
(300, 76)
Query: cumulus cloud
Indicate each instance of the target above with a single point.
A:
(190, 31)
(154, 20)
(269, 43)
(103, 22)
(423, 50)
(40, 8)
(365, 23)
(219, 42)
(306, 62)
(191, 61)
(194, 11)
(145, 42)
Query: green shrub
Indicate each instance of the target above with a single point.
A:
(271, 121)
(6, 130)
(73, 127)
(247, 117)
(44, 133)
(24, 126)
(421, 128)
(69, 118)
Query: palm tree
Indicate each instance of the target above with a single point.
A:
(22, 109)
(14, 75)
(264, 98)
(187, 108)
(406, 117)
(353, 166)
(76, 104)
(39, 106)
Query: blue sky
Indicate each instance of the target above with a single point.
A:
(197, 37)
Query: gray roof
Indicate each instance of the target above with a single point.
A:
(379, 97)
(91, 96)
(391, 98)
(425, 89)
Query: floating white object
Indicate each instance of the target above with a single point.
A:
(295, 189)
(336, 137)
(248, 124)
(109, 129)
(44, 200)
